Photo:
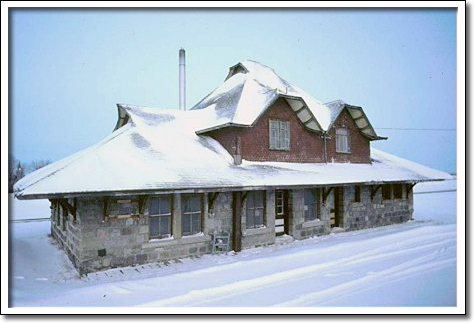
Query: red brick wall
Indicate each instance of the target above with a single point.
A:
(305, 146)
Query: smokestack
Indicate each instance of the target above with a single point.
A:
(182, 81)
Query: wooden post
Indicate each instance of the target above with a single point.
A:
(237, 221)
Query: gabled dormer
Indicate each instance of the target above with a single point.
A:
(261, 117)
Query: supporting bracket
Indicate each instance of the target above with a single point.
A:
(211, 198)
(326, 193)
(141, 204)
(244, 196)
(409, 189)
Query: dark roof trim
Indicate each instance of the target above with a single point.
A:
(225, 125)
(363, 116)
(234, 68)
(123, 117)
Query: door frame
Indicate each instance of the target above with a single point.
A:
(285, 209)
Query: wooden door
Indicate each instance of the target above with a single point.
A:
(336, 210)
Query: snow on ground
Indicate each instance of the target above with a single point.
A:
(409, 264)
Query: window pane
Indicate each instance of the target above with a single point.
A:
(284, 137)
(196, 223)
(279, 194)
(258, 217)
(341, 131)
(279, 210)
(191, 203)
(186, 223)
(154, 226)
(154, 205)
(308, 197)
(274, 138)
(250, 218)
(196, 203)
(250, 200)
(274, 128)
(164, 225)
(258, 198)
(309, 213)
(164, 205)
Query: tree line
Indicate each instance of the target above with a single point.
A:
(18, 169)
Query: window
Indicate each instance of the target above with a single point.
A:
(279, 134)
(356, 193)
(255, 209)
(397, 191)
(311, 204)
(160, 217)
(191, 214)
(386, 191)
(125, 206)
(342, 140)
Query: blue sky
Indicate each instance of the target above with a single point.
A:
(68, 69)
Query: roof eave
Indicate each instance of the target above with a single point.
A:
(203, 189)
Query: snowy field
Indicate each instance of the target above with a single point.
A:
(409, 264)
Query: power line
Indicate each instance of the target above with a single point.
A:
(425, 129)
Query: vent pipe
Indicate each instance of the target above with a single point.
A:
(182, 80)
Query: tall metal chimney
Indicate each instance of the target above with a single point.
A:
(182, 81)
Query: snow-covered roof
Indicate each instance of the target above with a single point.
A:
(251, 87)
(158, 149)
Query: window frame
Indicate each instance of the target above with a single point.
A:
(114, 205)
(277, 141)
(160, 217)
(339, 137)
(251, 196)
(183, 213)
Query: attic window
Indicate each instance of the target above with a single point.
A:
(342, 141)
(279, 134)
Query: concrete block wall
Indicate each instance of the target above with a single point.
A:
(220, 215)
(117, 242)
(70, 238)
(94, 243)
(299, 228)
(375, 212)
